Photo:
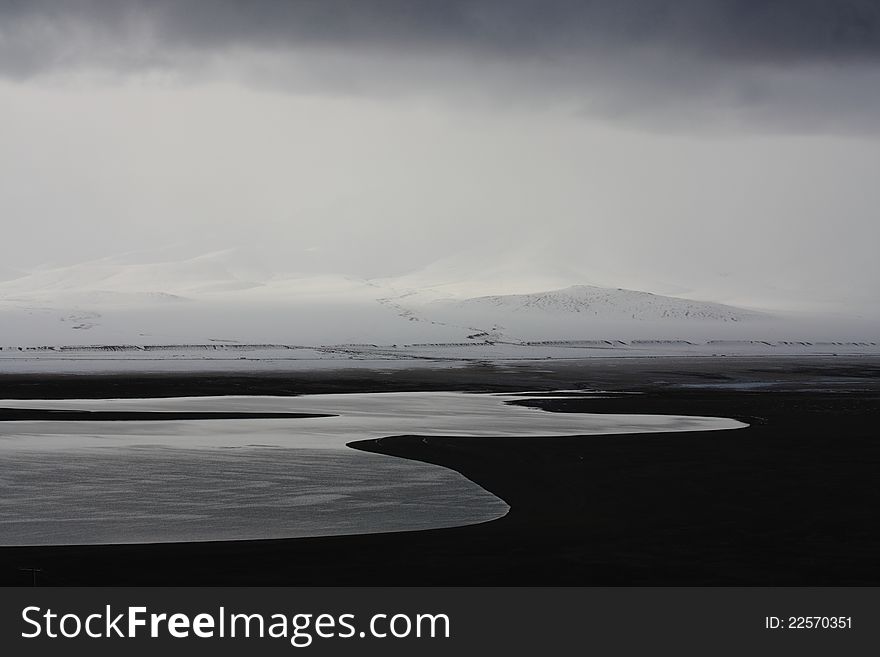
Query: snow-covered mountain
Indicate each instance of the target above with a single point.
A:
(608, 303)
(230, 296)
(118, 276)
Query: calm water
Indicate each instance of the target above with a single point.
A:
(186, 480)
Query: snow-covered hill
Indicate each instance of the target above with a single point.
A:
(213, 272)
(608, 303)
(232, 297)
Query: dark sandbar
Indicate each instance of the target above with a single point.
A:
(792, 499)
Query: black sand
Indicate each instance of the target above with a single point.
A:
(792, 499)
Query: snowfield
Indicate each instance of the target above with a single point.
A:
(225, 307)
(609, 303)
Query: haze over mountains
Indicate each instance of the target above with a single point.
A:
(235, 297)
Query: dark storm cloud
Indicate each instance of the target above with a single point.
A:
(614, 56)
(762, 29)
(750, 29)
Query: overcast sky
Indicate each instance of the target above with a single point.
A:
(733, 141)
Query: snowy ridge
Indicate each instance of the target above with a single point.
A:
(610, 303)
(229, 297)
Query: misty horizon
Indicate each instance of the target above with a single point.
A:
(719, 151)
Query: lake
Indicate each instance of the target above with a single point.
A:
(158, 480)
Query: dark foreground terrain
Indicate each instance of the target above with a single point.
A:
(792, 499)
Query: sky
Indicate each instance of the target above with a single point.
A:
(729, 146)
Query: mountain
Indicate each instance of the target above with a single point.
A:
(473, 273)
(607, 303)
(119, 276)
(234, 297)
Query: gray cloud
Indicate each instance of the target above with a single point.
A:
(767, 30)
(790, 63)
(491, 146)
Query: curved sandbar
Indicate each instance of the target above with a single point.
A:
(158, 480)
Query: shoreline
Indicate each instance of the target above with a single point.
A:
(624, 374)
(791, 499)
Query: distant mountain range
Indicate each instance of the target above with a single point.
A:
(228, 297)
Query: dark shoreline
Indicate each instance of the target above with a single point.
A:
(617, 374)
(792, 499)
